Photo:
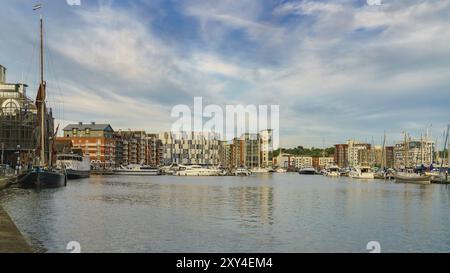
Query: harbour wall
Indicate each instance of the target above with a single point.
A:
(11, 240)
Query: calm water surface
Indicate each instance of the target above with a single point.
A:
(268, 213)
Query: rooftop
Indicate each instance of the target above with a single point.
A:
(92, 126)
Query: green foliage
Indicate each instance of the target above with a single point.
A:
(313, 152)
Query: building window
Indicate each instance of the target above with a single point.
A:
(10, 107)
(74, 131)
(88, 131)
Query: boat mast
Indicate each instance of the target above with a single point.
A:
(383, 153)
(448, 151)
(406, 154)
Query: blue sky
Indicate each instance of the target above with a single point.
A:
(338, 69)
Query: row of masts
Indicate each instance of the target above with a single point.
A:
(422, 150)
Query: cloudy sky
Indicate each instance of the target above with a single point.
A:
(338, 69)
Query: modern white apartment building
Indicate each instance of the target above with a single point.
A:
(354, 148)
(189, 148)
(266, 142)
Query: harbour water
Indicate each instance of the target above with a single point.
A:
(265, 213)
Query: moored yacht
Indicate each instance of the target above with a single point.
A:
(412, 178)
(137, 170)
(196, 170)
(308, 171)
(332, 171)
(242, 172)
(260, 170)
(362, 172)
(76, 166)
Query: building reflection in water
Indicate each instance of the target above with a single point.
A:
(254, 205)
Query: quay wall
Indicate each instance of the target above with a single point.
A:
(11, 240)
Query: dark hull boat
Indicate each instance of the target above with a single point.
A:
(77, 174)
(39, 178)
(308, 171)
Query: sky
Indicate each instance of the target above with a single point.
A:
(337, 69)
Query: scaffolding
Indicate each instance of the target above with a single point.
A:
(17, 124)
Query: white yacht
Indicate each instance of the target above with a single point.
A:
(136, 170)
(242, 172)
(281, 170)
(196, 170)
(362, 173)
(170, 169)
(332, 171)
(259, 170)
(76, 166)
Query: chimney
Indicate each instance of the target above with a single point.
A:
(93, 123)
(80, 123)
(2, 74)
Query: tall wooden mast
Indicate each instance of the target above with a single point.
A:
(42, 97)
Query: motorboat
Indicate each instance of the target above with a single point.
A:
(170, 169)
(76, 166)
(242, 172)
(281, 170)
(332, 171)
(259, 170)
(362, 172)
(137, 170)
(308, 171)
(196, 170)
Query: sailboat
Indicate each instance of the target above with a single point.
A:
(43, 175)
(410, 177)
(443, 176)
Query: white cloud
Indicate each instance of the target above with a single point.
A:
(333, 68)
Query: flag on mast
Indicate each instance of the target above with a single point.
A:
(36, 7)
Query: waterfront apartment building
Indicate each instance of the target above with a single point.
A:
(97, 140)
(283, 160)
(390, 159)
(266, 142)
(237, 153)
(354, 150)
(417, 152)
(226, 154)
(341, 155)
(134, 147)
(299, 162)
(288, 161)
(190, 148)
(320, 163)
(154, 150)
(251, 150)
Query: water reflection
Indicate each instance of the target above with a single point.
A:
(274, 213)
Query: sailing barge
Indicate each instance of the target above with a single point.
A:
(43, 174)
